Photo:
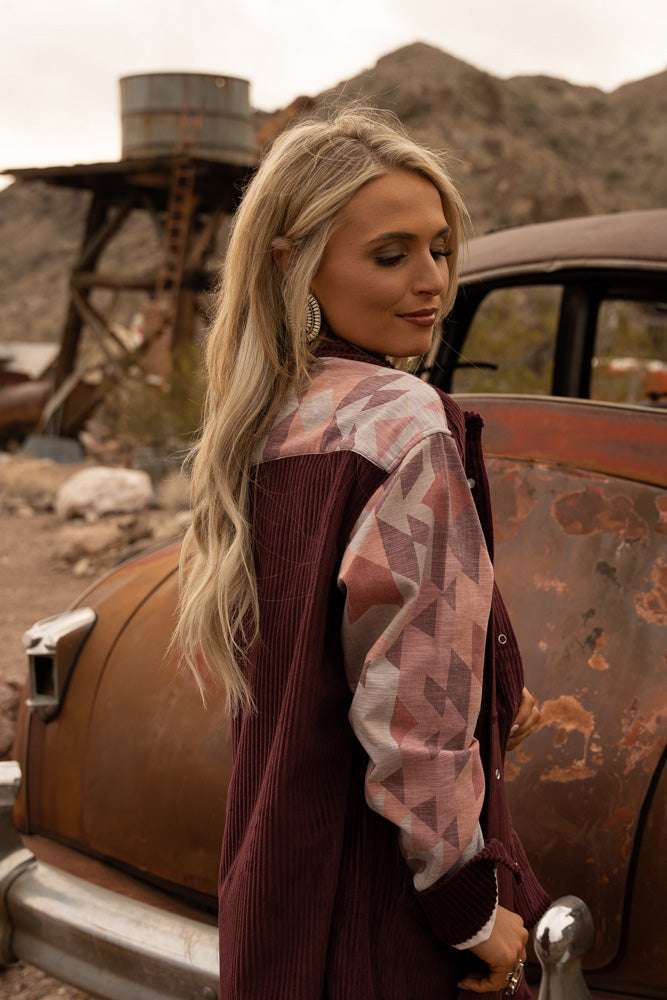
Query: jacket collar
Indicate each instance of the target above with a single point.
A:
(332, 346)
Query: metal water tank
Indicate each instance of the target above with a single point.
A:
(206, 115)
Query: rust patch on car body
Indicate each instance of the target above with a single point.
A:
(641, 735)
(619, 817)
(567, 715)
(652, 604)
(588, 511)
(514, 499)
(596, 660)
(549, 583)
(661, 505)
(578, 771)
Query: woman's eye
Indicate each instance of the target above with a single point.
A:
(389, 259)
(441, 253)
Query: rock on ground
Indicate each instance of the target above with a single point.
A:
(102, 490)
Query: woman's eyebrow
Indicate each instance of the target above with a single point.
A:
(400, 235)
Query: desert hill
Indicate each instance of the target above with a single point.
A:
(527, 149)
(522, 149)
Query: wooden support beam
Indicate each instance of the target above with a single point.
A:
(203, 242)
(121, 282)
(97, 240)
(100, 328)
(69, 343)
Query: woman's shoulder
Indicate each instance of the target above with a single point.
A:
(355, 405)
(380, 388)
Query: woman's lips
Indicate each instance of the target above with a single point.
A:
(422, 317)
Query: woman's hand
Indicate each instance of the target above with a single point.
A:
(501, 952)
(525, 720)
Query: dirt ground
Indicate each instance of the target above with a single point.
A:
(24, 982)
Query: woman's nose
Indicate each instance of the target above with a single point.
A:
(432, 276)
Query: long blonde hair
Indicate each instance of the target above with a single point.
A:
(257, 352)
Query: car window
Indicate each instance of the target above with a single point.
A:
(630, 361)
(511, 342)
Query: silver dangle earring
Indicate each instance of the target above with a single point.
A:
(313, 319)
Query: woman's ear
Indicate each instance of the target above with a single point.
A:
(281, 257)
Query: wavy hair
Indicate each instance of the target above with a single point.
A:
(257, 352)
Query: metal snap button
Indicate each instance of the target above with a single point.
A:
(498, 774)
(502, 639)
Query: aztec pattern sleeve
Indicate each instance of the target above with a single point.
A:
(417, 581)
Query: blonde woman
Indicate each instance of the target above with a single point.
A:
(337, 584)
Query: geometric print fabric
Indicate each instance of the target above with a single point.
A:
(417, 605)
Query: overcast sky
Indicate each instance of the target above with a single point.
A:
(60, 60)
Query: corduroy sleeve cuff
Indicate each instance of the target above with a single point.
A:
(457, 907)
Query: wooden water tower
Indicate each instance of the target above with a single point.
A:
(187, 146)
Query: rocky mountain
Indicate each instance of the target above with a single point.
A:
(527, 149)
(521, 150)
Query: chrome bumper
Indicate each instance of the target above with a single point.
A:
(95, 939)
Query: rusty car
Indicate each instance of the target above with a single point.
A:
(111, 815)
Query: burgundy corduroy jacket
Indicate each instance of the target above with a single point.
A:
(366, 820)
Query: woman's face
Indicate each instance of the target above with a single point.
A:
(384, 272)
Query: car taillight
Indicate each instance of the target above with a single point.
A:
(52, 646)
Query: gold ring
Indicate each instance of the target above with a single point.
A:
(514, 979)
